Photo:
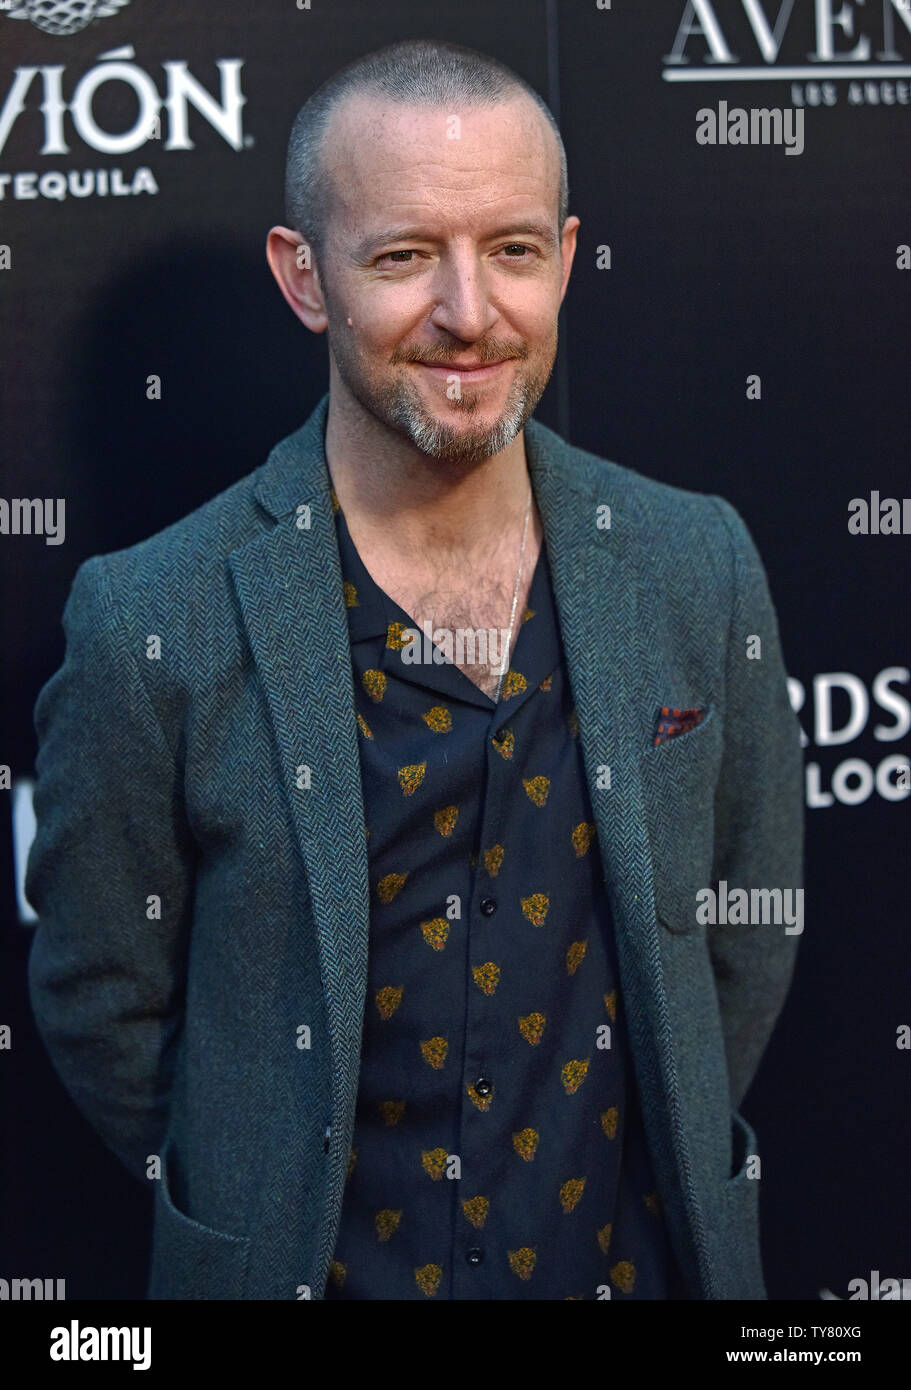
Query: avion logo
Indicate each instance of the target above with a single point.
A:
(181, 91)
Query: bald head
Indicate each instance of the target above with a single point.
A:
(389, 167)
(446, 78)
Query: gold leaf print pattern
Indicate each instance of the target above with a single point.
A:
(363, 726)
(610, 1003)
(572, 1076)
(575, 956)
(547, 682)
(434, 1163)
(388, 999)
(387, 1223)
(486, 976)
(389, 886)
(536, 789)
(352, 1160)
(571, 1192)
(428, 1278)
(532, 1028)
(493, 859)
(609, 1121)
(434, 1051)
(535, 908)
(572, 724)
(623, 1275)
(652, 1202)
(529, 613)
(582, 837)
(350, 593)
(394, 639)
(603, 1237)
(482, 1102)
(337, 1272)
(522, 1262)
(476, 1209)
(435, 932)
(374, 682)
(444, 820)
(333, 499)
(391, 1111)
(514, 684)
(438, 719)
(411, 777)
(505, 744)
(525, 1143)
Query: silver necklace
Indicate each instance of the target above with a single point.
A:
(515, 596)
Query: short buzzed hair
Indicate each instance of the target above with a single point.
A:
(423, 72)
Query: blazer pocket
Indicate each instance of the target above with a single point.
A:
(679, 779)
(190, 1260)
(740, 1208)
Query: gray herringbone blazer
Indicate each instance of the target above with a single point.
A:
(199, 903)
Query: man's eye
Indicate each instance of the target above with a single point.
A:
(399, 257)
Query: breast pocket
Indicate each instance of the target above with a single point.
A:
(679, 779)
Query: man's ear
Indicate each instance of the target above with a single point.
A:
(568, 250)
(291, 261)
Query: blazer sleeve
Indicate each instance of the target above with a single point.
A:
(106, 971)
(759, 816)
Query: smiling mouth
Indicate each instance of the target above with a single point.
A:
(472, 372)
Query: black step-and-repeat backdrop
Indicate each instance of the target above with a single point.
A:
(737, 323)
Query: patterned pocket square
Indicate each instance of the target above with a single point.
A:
(673, 722)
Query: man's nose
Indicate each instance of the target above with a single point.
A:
(463, 306)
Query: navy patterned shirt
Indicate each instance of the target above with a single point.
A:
(498, 1150)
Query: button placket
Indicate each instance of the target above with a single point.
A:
(478, 1073)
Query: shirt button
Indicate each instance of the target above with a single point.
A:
(488, 906)
(483, 1086)
(475, 1255)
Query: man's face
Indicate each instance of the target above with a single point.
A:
(443, 251)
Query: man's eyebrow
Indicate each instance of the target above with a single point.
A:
(371, 245)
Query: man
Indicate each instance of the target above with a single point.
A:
(375, 796)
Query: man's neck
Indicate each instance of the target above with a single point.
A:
(386, 485)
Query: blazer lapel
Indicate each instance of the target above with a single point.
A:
(604, 610)
(289, 584)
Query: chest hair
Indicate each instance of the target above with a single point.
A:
(482, 606)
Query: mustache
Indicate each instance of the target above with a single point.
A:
(443, 357)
